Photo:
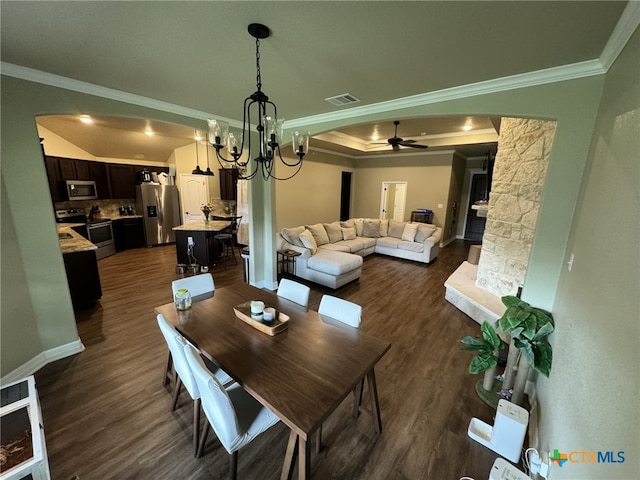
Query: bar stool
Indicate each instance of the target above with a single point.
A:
(226, 240)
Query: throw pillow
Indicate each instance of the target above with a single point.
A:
(319, 234)
(292, 235)
(384, 228)
(334, 232)
(359, 222)
(409, 232)
(349, 233)
(425, 230)
(396, 228)
(308, 241)
(371, 228)
(348, 224)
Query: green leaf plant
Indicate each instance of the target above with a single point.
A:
(528, 327)
(486, 347)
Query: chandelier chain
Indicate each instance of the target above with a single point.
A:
(258, 78)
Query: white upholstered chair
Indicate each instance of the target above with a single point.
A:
(294, 291)
(343, 310)
(197, 285)
(235, 416)
(351, 314)
(184, 376)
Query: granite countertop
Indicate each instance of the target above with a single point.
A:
(116, 217)
(71, 241)
(212, 226)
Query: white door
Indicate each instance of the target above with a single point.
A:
(399, 201)
(194, 191)
(393, 200)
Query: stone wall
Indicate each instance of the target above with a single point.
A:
(516, 192)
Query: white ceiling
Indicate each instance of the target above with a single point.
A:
(198, 56)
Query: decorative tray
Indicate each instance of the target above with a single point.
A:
(243, 312)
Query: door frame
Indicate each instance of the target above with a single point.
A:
(383, 195)
(472, 172)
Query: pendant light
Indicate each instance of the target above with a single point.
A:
(208, 170)
(196, 171)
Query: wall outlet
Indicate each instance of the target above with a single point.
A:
(190, 241)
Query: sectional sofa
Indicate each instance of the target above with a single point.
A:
(331, 253)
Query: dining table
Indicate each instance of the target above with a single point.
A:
(302, 374)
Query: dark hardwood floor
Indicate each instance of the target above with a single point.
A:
(107, 415)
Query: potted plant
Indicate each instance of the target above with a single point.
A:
(487, 348)
(528, 328)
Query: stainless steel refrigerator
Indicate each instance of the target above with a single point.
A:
(160, 209)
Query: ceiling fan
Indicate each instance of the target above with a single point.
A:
(396, 142)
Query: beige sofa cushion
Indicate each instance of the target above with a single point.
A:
(308, 241)
(349, 233)
(396, 228)
(334, 263)
(292, 235)
(384, 227)
(409, 232)
(425, 230)
(359, 223)
(348, 223)
(371, 228)
(334, 231)
(319, 234)
(411, 246)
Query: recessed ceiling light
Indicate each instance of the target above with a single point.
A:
(86, 119)
(148, 133)
(467, 127)
(197, 137)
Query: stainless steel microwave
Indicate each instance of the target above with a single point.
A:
(81, 190)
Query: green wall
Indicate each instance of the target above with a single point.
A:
(590, 401)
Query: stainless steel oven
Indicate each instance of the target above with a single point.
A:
(101, 235)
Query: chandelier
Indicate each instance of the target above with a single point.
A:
(269, 128)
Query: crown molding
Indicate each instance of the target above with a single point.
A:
(37, 76)
(403, 155)
(540, 77)
(628, 23)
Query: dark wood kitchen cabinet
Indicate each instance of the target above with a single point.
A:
(98, 173)
(83, 278)
(128, 233)
(53, 176)
(73, 169)
(228, 183)
(122, 180)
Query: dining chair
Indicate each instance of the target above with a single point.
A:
(342, 310)
(351, 314)
(235, 416)
(197, 285)
(294, 291)
(184, 376)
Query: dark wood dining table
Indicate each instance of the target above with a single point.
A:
(301, 374)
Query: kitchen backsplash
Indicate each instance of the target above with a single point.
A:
(110, 208)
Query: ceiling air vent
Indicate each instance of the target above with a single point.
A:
(344, 99)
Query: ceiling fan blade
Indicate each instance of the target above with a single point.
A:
(404, 142)
(413, 145)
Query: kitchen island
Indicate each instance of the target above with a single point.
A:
(81, 265)
(204, 250)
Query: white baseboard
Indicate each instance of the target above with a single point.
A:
(42, 359)
(273, 286)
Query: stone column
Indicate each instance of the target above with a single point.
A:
(519, 173)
